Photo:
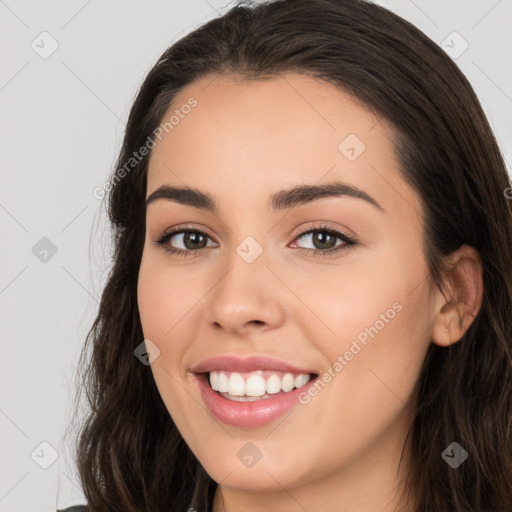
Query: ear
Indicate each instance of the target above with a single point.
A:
(464, 284)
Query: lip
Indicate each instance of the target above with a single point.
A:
(247, 364)
(248, 414)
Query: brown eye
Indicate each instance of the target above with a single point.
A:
(321, 239)
(191, 239)
(188, 241)
(324, 240)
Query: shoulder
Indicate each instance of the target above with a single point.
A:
(74, 508)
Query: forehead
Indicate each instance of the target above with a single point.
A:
(252, 137)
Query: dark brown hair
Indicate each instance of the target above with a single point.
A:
(130, 454)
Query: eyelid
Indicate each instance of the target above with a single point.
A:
(325, 227)
(187, 227)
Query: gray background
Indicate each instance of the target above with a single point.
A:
(62, 122)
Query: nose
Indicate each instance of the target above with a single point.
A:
(246, 298)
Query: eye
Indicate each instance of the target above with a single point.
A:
(324, 240)
(191, 240)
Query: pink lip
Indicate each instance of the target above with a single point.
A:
(248, 414)
(252, 363)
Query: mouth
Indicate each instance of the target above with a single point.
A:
(252, 399)
(256, 385)
(253, 390)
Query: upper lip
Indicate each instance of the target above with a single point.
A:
(246, 364)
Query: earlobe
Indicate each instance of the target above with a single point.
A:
(465, 294)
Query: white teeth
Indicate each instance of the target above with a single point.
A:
(223, 383)
(235, 385)
(301, 379)
(288, 382)
(273, 384)
(214, 381)
(255, 386)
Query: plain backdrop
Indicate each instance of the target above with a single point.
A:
(62, 120)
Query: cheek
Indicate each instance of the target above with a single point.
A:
(152, 303)
(165, 305)
(377, 318)
(373, 367)
(345, 301)
(166, 298)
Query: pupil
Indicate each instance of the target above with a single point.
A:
(192, 237)
(323, 236)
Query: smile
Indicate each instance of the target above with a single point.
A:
(250, 391)
(257, 385)
(244, 410)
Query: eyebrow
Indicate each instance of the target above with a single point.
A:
(282, 200)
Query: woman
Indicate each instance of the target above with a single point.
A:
(309, 307)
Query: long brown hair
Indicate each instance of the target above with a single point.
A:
(130, 455)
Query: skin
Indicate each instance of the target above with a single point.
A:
(243, 142)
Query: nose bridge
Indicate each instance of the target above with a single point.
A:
(246, 292)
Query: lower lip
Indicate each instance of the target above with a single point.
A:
(248, 414)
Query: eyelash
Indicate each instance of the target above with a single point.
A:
(350, 241)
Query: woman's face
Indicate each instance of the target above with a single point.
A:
(266, 274)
